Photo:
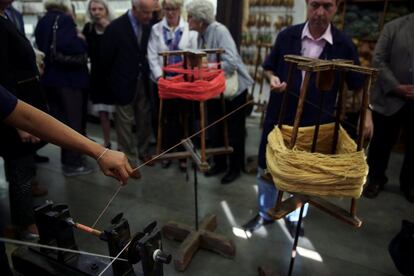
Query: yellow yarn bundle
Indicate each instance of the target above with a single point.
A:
(320, 173)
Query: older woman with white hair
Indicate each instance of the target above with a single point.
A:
(213, 34)
(171, 33)
(100, 15)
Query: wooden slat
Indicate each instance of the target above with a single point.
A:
(287, 206)
(176, 231)
(334, 211)
(217, 243)
(186, 154)
(209, 222)
(186, 251)
(204, 238)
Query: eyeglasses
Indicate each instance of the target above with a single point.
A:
(170, 9)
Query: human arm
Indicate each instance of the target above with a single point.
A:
(270, 66)
(224, 40)
(30, 119)
(152, 51)
(382, 60)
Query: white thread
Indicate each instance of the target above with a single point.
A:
(59, 249)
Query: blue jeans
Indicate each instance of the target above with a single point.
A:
(268, 196)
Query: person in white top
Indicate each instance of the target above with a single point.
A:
(171, 33)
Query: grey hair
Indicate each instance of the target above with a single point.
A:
(62, 5)
(202, 11)
(103, 3)
(135, 3)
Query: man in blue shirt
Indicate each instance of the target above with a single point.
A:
(316, 38)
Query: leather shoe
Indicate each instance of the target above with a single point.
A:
(255, 223)
(183, 165)
(230, 177)
(214, 171)
(292, 226)
(371, 190)
(374, 187)
(165, 163)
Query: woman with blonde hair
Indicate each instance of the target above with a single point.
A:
(171, 33)
(100, 15)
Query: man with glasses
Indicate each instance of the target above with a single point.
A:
(316, 38)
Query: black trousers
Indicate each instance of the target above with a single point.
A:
(4, 263)
(236, 131)
(19, 173)
(176, 122)
(386, 133)
(66, 105)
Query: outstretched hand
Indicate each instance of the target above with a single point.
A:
(115, 164)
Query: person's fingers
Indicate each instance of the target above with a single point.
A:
(130, 171)
(123, 175)
(110, 173)
(279, 87)
(117, 175)
(136, 174)
(35, 140)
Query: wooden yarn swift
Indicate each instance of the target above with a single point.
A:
(202, 236)
(325, 71)
(194, 60)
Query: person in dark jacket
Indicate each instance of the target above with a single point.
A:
(65, 83)
(19, 74)
(316, 38)
(16, 17)
(124, 53)
(392, 103)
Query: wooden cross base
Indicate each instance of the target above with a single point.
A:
(204, 238)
